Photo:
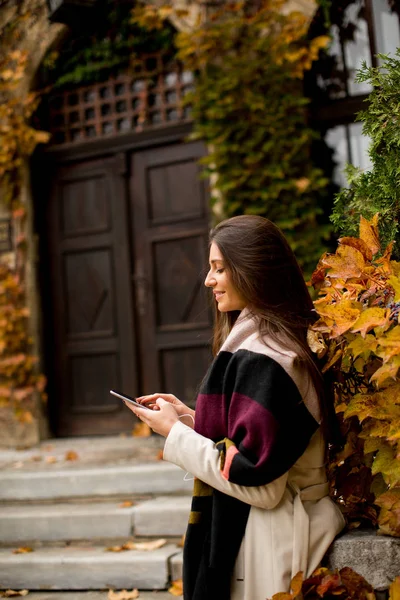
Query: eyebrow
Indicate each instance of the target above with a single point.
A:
(216, 260)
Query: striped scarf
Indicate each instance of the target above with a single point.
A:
(251, 405)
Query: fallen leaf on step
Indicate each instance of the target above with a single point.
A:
(22, 550)
(176, 588)
(160, 454)
(182, 541)
(126, 504)
(11, 593)
(50, 459)
(71, 455)
(36, 458)
(141, 430)
(123, 595)
(152, 545)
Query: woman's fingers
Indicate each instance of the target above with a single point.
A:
(151, 398)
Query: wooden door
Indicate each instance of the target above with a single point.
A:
(93, 319)
(170, 229)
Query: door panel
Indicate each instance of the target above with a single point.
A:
(170, 226)
(93, 315)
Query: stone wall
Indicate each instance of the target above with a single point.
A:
(34, 34)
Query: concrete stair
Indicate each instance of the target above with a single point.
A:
(70, 514)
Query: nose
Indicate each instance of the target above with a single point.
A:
(209, 280)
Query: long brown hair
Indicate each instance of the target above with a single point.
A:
(264, 269)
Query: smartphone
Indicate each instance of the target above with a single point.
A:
(128, 399)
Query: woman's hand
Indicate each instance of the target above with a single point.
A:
(161, 420)
(180, 407)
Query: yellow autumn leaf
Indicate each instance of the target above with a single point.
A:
(13, 593)
(332, 360)
(141, 430)
(394, 590)
(372, 444)
(389, 344)
(371, 318)
(343, 315)
(386, 463)
(394, 281)
(361, 406)
(123, 595)
(386, 371)
(360, 345)
(176, 588)
(369, 233)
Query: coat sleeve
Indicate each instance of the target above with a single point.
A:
(199, 456)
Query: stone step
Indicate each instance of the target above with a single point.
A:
(148, 478)
(176, 564)
(163, 516)
(88, 567)
(154, 595)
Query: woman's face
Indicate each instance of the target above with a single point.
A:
(218, 278)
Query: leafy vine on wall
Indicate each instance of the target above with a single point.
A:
(19, 377)
(249, 108)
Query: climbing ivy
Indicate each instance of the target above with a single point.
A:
(249, 107)
(19, 378)
(104, 50)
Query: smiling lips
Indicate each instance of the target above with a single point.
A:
(218, 295)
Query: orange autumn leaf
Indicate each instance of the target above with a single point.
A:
(356, 586)
(389, 517)
(369, 233)
(348, 262)
(357, 243)
(22, 550)
(126, 504)
(176, 588)
(141, 430)
(371, 318)
(329, 583)
(13, 593)
(160, 454)
(71, 455)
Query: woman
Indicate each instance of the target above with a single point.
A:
(260, 509)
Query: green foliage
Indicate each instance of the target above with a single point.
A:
(107, 49)
(376, 190)
(249, 108)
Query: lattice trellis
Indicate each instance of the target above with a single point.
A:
(149, 97)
